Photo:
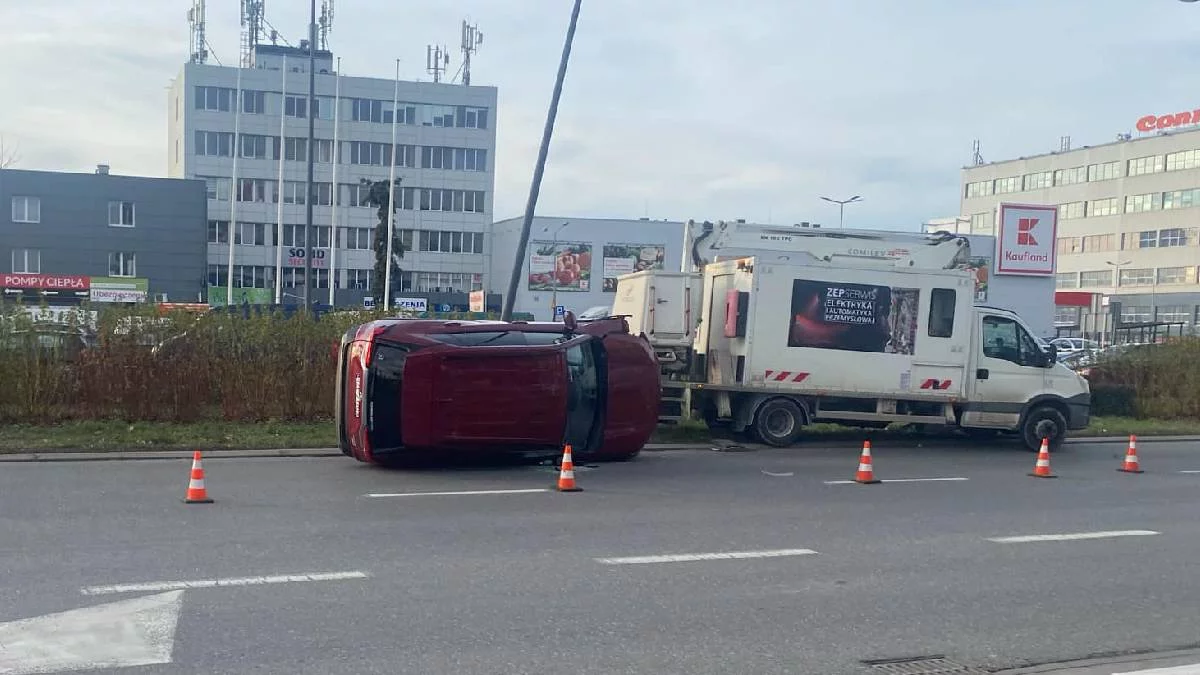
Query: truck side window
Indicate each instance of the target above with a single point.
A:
(941, 313)
(1005, 339)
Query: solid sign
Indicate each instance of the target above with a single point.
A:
(368, 302)
(44, 282)
(119, 289)
(476, 301)
(295, 257)
(1160, 122)
(560, 310)
(1026, 244)
(412, 304)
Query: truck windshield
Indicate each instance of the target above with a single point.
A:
(582, 394)
(1005, 339)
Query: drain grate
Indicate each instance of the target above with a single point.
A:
(922, 665)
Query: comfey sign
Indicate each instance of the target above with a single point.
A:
(1161, 122)
(1027, 241)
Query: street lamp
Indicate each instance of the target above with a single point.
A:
(554, 270)
(842, 207)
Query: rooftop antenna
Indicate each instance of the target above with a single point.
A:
(196, 22)
(1064, 144)
(976, 153)
(471, 39)
(253, 12)
(325, 24)
(436, 61)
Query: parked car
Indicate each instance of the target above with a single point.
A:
(1070, 345)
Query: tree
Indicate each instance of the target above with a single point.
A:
(8, 155)
(378, 196)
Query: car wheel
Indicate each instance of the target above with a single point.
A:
(1044, 422)
(779, 422)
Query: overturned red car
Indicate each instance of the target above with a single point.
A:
(409, 387)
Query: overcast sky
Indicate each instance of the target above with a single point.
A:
(700, 109)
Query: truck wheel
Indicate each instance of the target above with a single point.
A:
(1044, 422)
(779, 422)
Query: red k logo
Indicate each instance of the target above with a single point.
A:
(1025, 231)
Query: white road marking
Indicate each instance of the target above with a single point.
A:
(901, 480)
(787, 474)
(695, 557)
(1190, 471)
(1072, 537)
(1193, 669)
(220, 583)
(458, 494)
(123, 634)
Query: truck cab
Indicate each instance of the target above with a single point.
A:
(408, 387)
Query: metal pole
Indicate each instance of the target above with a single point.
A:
(279, 189)
(312, 106)
(539, 168)
(841, 215)
(391, 215)
(233, 174)
(554, 274)
(334, 193)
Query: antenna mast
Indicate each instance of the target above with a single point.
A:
(252, 28)
(196, 22)
(976, 153)
(325, 24)
(436, 61)
(471, 39)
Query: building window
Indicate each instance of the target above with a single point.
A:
(120, 214)
(322, 236)
(1172, 236)
(1139, 276)
(443, 282)
(1096, 279)
(1095, 243)
(214, 144)
(406, 155)
(324, 151)
(293, 192)
(295, 149)
(1066, 280)
(122, 264)
(1184, 159)
(356, 279)
(1037, 181)
(253, 102)
(358, 238)
(1145, 239)
(1177, 275)
(981, 188)
(293, 277)
(1148, 202)
(1174, 314)
(323, 194)
(434, 199)
(253, 189)
(26, 261)
(295, 106)
(218, 233)
(367, 110)
(326, 106)
(253, 276)
(368, 154)
(1070, 245)
(1077, 174)
(1103, 207)
(1135, 314)
(1145, 165)
(355, 194)
(1072, 210)
(218, 275)
(1067, 316)
(217, 188)
(255, 147)
(1010, 184)
(981, 223)
(1105, 171)
(215, 98)
(320, 278)
(26, 210)
(293, 236)
(251, 234)
(1181, 199)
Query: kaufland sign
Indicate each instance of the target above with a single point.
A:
(1026, 244)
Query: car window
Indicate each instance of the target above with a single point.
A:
(1005, 339)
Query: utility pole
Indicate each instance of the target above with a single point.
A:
(312, 114)
(539, 169)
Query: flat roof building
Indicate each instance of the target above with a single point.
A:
(444, 156)
(66, 238)
(1128, 218)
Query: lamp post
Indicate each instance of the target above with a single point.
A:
(1117, 265)
(554, 270)
(842, 207)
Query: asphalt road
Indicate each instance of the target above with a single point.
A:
(541, 582)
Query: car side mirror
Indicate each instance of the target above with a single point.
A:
(1051, 356)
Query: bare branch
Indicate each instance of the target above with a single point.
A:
(8, 155)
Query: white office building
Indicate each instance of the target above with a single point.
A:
(444, 156)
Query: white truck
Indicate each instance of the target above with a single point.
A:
(870, 330)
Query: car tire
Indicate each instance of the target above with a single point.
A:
(778, 422)
(1043, 422)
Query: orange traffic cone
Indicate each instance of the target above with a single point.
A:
(196, 494)
(866, 471)
(566, 475)
(1130, 465)
(1042, 468)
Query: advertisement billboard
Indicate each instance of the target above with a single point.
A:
(241, 296)
(119, 289)
(853, 317)
(411, 304)
(621, 259)
(46, 282)
(1027, 241)
(560, 266)
(294, 257)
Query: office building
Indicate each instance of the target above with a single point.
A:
(66, 238)
(1128, 219)
(444, 157)
(573, 263)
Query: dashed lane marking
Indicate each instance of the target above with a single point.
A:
(1076, 536)
(697, 557)
(159, 586)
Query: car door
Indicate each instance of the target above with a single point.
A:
(1010, 369)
